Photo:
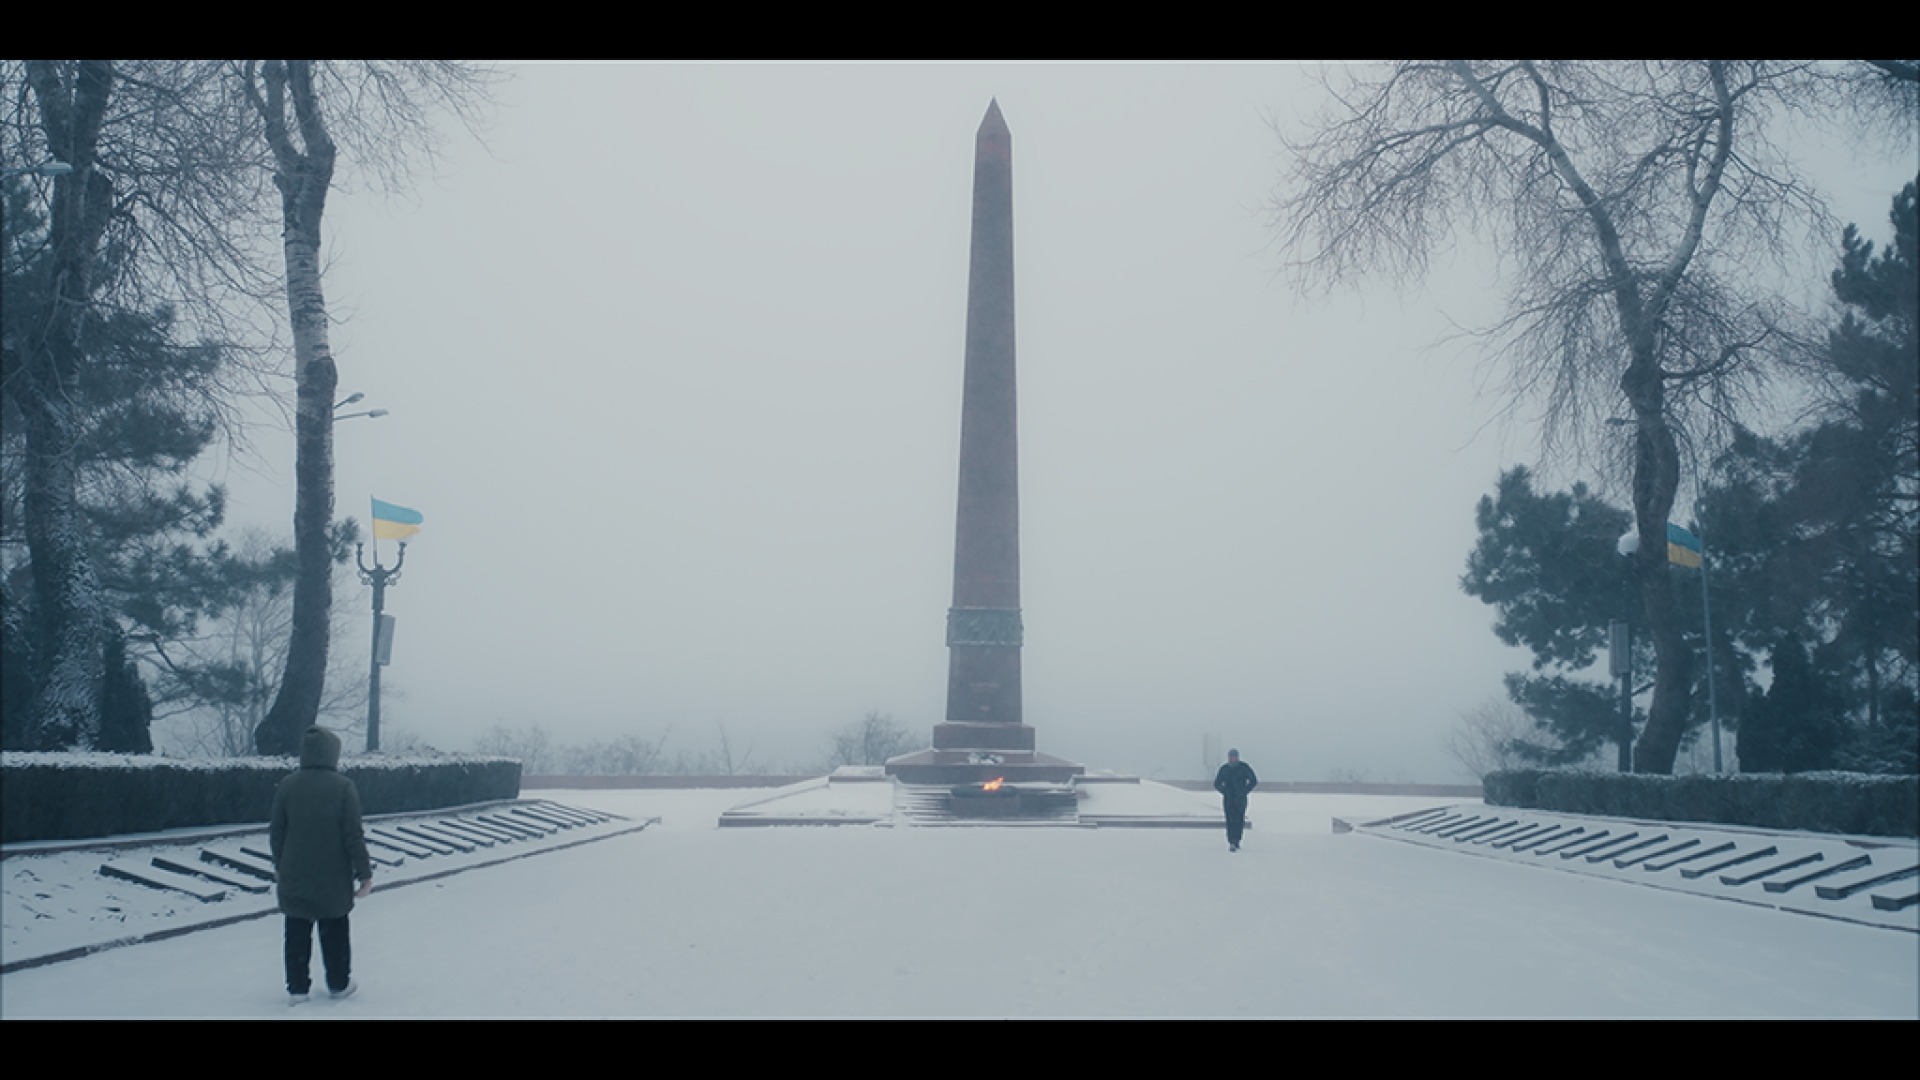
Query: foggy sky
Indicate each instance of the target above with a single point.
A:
(673, 362)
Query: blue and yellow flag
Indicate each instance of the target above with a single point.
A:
(392, 522)
(1683, 548)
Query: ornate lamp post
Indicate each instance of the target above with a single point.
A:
(379, 577)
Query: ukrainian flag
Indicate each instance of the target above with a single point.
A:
(392, 522)
(1683, 547)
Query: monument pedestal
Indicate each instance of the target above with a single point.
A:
(975, 753)
(986, 738)
(980, 766)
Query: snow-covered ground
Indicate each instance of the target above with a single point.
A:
(687, 919)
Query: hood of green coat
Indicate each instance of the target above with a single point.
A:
(319, 749)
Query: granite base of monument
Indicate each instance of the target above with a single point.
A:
(867, 796)
(978, 765)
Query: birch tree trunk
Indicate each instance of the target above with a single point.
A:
(303, 173)
(72, 101)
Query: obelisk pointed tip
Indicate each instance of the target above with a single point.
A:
(993, 121)
(993, 141)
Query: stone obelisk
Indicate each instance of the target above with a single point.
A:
(983, 626)
(984, 735)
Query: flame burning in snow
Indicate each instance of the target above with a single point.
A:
(994, 784)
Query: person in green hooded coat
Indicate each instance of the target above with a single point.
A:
(320, 863)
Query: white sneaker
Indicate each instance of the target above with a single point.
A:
(347, 993)
(296, 999)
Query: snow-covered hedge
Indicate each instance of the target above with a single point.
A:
(1829, 802)
(76, 796)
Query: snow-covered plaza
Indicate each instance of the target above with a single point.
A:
(685, 919)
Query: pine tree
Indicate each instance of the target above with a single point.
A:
(1796, 725)
(1548, 565)
(1812, 552)
(139, 408)
(1818, 531)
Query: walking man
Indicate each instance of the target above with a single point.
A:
(1234, 781)
(319, 854)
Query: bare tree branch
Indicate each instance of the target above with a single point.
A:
(1638, 209)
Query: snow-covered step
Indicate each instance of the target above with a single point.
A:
(237, 859)
(206, 872)
(154, 877)
(930, 804)
(1855, 878)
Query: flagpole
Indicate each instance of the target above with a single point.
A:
(1713, 700)
(379, 596)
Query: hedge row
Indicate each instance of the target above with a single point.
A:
(83, 796)
(1827, 802)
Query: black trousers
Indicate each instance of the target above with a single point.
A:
(1236, 819)
(336, 953)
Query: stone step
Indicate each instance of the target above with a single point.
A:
(1832, 876)
(929, 804)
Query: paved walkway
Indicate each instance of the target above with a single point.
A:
(686, 919)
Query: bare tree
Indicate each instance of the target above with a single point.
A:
(385, 108)
(160, 204)
(72, 103)
(529, 744)
(1636, 208)
(248, 644)
(624, 755)
(1495, 735)
(871, 740)
(303, 158)
(724, 760)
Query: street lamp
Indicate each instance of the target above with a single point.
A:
(379, 577)
(350, 399)
(1620, 651)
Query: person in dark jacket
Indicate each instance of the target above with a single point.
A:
(1234, 781)
(319, 854)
